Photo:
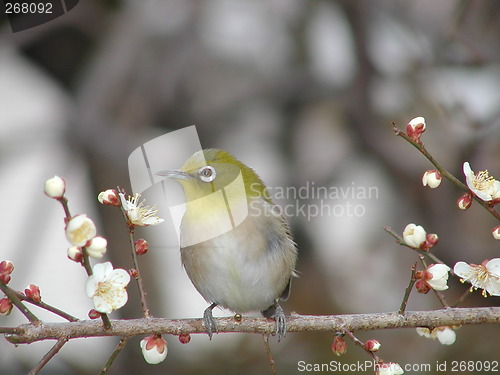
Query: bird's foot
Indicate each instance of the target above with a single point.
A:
(276, 312)
(209, 321)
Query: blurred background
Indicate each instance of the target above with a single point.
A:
(302, 91)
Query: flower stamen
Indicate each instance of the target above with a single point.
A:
(483, 180)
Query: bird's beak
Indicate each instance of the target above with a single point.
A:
(174, 173)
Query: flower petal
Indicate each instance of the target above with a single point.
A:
(414, 235)
(102, 270)
(120, 298)
(496, 190)
(438, 284)
(446, 335)
(482, 195)
(467, 170)
(424, 331)
(493, 267)
(493, 287)
(463, 270)
(102, 305)
(91, 286)
(439, 270)
(119, 277)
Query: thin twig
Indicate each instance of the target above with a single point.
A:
(420, 147)
(64, 204)
(46, 306)
(408, 289)
(360, 343)
(272, 363)
(113, 356)
(86, 261)
(462, 297)
(401, 241)
(20, 306)
(138, 278)
(47, 357)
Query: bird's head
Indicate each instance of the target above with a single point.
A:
(211, 170)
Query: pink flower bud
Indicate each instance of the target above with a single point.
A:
(431, 240)
(94, 314)
(32, 292)
(339, 346)
(372, 345)
(141, 246)
(422, 287)
(415, 128)
(185, 338)
(6, 268)
(465, 201)
(133, 272)
(109, 197)
(5, 306)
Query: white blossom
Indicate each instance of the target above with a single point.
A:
(106, 287)
(482, 184)
(445, 334)
(154, 349)
(138, 213)
(80, 230)
(484, 276)
(414, 235)
(439, 279)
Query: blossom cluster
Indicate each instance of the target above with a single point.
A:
(485, 276)
(106, 286)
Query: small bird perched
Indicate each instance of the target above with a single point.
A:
(235, 246)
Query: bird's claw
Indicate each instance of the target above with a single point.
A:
(280, 323)
(209, 321)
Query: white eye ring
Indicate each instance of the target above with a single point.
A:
(207, 173)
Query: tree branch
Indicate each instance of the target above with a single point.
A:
(420, 147)
(295, 323)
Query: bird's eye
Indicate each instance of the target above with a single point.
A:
(207, 173)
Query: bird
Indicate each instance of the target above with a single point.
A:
(235, 245)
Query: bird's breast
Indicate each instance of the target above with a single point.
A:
(246, 267)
